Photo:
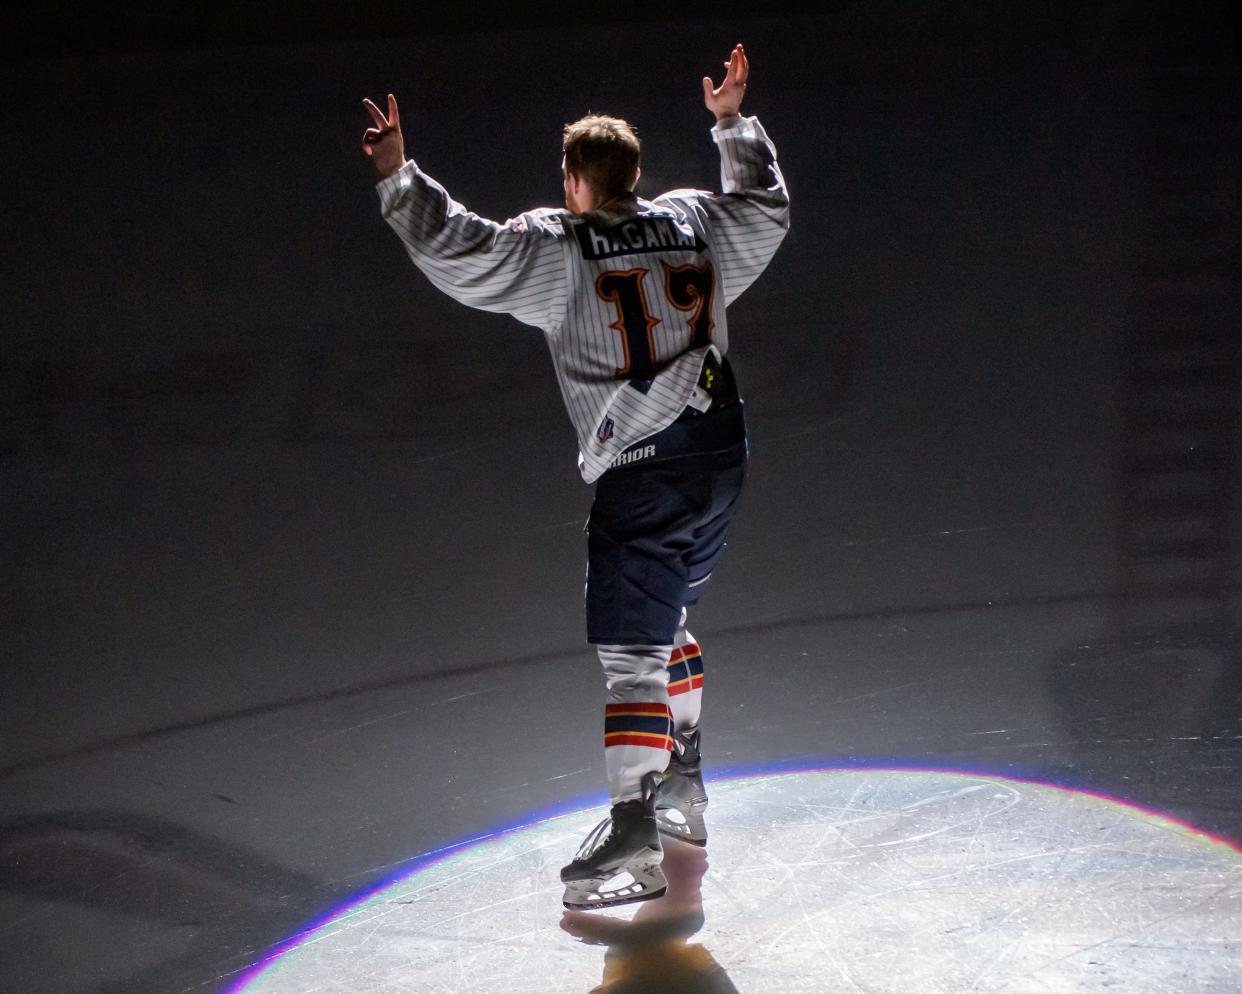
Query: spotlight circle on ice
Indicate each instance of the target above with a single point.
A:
(879, 880)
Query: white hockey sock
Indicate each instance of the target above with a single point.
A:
(638, 722)
(685, 679)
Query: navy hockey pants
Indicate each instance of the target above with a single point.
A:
(658, 527)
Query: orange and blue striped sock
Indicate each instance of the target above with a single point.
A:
(685, 681)
(638, 737)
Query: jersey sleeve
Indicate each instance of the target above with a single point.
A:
(512, 268)
(748, 219)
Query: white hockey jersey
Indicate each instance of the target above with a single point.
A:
(630, 297)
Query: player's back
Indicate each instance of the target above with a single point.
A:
(642, 292)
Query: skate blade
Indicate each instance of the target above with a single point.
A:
(643, 883)
(675, 825)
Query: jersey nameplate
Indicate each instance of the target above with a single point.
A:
(640, 234)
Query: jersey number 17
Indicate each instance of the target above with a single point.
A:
(688, 288)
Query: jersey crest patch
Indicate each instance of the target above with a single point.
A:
(605, 430)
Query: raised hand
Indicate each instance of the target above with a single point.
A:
(726, 100)
(384, 142)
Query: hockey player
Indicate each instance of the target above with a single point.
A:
(630, 294)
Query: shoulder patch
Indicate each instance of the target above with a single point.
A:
(549, 219)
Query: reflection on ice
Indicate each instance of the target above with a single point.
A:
(652, 951)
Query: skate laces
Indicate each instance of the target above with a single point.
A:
(609, 828)
(598, 836)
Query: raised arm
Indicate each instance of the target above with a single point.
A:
(749, 217)
(513, 268)
(384, 142)
(725, 101)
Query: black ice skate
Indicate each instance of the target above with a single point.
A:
(619, 862)
(683, 798)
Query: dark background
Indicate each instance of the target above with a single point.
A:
(292, 549)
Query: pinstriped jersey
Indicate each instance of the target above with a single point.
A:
(630, 297)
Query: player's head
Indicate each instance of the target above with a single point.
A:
(601, 161)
